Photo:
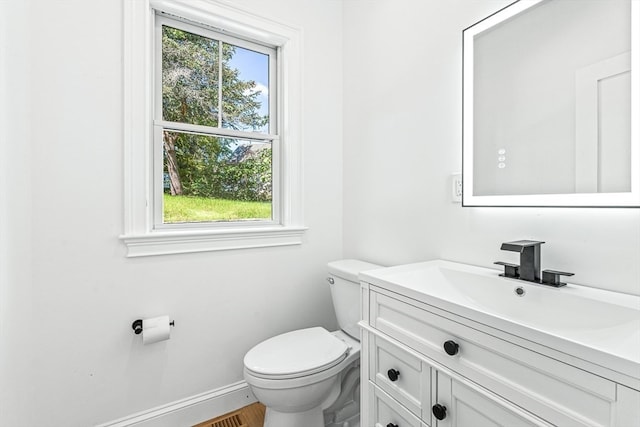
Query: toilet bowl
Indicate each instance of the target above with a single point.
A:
(310, 377)
(299, 397)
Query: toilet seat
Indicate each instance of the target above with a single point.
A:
(296, 354)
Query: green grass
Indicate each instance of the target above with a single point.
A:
(198, 209)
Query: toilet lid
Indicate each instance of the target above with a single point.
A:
(295, 354)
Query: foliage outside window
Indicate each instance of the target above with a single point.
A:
(214, 125)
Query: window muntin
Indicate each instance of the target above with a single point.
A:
(214, 139)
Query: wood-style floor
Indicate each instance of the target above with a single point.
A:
(249, 416)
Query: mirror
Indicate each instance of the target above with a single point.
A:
(551, 105)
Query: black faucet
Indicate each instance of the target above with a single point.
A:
(529, 258)
(529, 268)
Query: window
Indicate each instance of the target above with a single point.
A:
(215, 125)
(212, 144)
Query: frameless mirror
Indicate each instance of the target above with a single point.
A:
(551, 105)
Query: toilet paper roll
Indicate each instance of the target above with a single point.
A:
(155, 329)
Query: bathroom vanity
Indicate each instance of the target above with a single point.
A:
(448, 344)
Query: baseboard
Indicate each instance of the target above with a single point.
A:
(192, 410)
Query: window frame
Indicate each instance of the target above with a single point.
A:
(143, 235)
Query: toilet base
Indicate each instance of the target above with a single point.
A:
(311, 418)
(353, 421)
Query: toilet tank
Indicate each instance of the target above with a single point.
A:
(345, 292)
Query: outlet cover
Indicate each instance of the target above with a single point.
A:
(456, 188)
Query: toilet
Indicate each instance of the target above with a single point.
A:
(311, 377)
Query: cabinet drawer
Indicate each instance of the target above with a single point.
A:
(555, 391)
(403, 376)
(385, 412)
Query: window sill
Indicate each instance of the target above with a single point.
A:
(181, 242)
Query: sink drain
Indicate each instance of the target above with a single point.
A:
(519, 291)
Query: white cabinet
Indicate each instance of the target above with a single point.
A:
(417, 357)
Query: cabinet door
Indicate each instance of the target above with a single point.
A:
(468, 406)
(628, 408)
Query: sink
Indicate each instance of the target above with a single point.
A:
(595, 323)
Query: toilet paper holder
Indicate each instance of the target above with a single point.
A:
(137, 326)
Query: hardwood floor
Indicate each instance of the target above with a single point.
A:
(249, 416)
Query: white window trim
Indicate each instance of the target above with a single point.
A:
(139, 235)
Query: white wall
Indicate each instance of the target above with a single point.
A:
(402, 140)
(68, 294)
(15, 230)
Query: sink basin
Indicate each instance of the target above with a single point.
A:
(593, 323)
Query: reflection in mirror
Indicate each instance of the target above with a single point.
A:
(551, 97)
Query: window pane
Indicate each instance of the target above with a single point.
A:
(208, 178)
(245, 89)
(189, 77)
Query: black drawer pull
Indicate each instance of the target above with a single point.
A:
(393, 374)
(392, 425)
(451, 347)
(439, 411)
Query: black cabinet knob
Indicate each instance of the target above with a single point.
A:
(439, 411)
(451, 348)
(392, 425)
(393, 374)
